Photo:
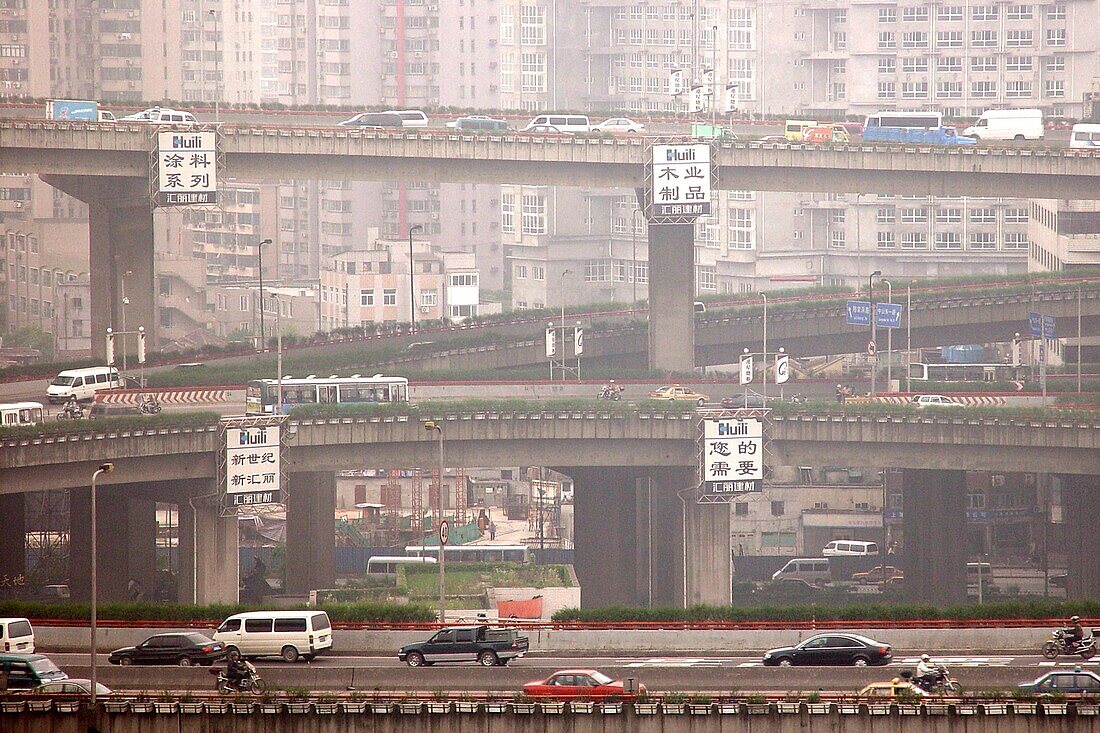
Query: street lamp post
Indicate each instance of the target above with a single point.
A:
(412, 282)
(564, 272)
(909, 337)
(432, 425)
(889, 341)
(125, 302)
(217, 67)
(103, 468)
(634, 258)
(871, 297)
(764, 386)
(279, 351)
(263, 333)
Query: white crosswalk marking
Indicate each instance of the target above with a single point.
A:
(674, 662)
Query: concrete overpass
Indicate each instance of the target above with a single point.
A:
(107, 166)
(629, 466)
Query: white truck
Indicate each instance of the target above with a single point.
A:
(1008, 124)
(84, 110)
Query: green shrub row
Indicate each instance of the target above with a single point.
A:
(111, 424)
(338, 612)
(1038, 609)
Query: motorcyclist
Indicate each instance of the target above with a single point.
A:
(1074, 634)
(928, 672)
(611, 390)
(73, 407)
(237, 670)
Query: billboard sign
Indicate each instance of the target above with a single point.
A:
(888, 315)
(186, 165)
(252, 464)
(747, 369)
(680, 177)
(782, 368)
(733, 456)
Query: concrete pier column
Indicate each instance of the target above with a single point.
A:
(311, 531)
(13, 539)
(1080, 508)
(120, 221)
(604, 530)
(125, 543)
(667, 537)
(209, 555)
(671, 297)
(709, 564)
(934, 554)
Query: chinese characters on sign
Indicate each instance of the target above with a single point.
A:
(252, 465)
(680, 181)
(733, 456)
(186, 168)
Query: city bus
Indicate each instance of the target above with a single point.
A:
(263, 394)
(388, 564)
(921, 372)
(473, 553)
(13, 414)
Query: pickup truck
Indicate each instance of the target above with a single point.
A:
(486, 645)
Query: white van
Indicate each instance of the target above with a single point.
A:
(850, 548)
(286, 634)
(1085, 135)
(16, 635)
(162, 116)
(82, 383)
(411, 117)
(808, 570)
(1008, 124)
(562, 123)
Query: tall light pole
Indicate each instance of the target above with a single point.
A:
(217, 67)
(714, 76)
(909, 337)
(764, 389)
(279, 351)
(871, 297)
(263, 333)
(432, 425)
(103, 468)
(889, 340)
(125, 302)
(634, 257)
(561, 292)
(412, 282)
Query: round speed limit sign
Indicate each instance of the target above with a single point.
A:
(444, 531)
(872, 349)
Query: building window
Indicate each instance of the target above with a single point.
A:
(983, 216)
(1056, 12)
(914, 215)
(1016, 216)
(534, 214)
(741, 509)
(366, 297)
(428, 298)
(915, 39)
(887, 15)
(886, 90)
(1056, 36)
(1019, 12)
(888, 65)
(983, 89)
(508, 213)
(949, 89)
(520, 272)
(389, 296)
(914, 90)
(1016, 240)
(914, 240)
(777, 509)
(915, 65)
(948, 240)
(983, 39)
(949, 39)
(886, 41)
(885, 240)
(949, 63)
(1017, 89)
(597, 271)
(885, 215)
(915, 14)
(982, 240)
(983, 12)
(948, 216)
(983, 63)
(538, 272)
(708, 278)
(1055, 88)
(949, 13)
(1018, 63)
(1056, 63)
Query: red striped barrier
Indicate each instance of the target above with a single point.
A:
(182, 396)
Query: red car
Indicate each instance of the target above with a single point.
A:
(579, 684)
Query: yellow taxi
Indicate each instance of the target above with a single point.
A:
(892, 690)
(676, 392)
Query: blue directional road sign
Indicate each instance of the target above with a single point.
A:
(1035, 323)
(859, 313)
(1048, 327)
(888, 315)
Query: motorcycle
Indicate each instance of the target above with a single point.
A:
(1058, 644)
(943, 684)
(253, 683)
(610, 394)
(71, 413)
(149, 407)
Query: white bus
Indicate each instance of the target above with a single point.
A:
(905, 120)
(1085, 135)
(473, 553)
(263, 394)
(13, 414)
(388, 564)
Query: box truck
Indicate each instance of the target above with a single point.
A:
(1008, 124)
(77, 109)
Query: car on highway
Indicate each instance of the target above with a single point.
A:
(27, 671)
(772, 139)
(619, 125)
(579, 684)
(831, 649)
(485, 645)
(892, 690)
(876, 575)
(76, 686)
(934, 400)
(750, 399)
(184, 649)
(674, 392)
(373, 119)
(544, 130)
(161, 116)
(1064, 681)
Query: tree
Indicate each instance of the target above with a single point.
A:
(32, 337)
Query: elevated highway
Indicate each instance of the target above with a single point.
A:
(628, 465)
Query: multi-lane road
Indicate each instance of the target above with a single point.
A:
(675, 673)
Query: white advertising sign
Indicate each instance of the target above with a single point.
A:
(731, 99)
(782, 368)
(746, 369)
(681, 181)
(733, 456)
(187, 168)
(676, 82)
(578, 341)
(252, 467)
(697, 96)
(551, 343)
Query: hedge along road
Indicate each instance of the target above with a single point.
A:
(677, 673)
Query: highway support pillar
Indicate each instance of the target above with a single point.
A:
(120, 223)
(709, 563)
(311, 531)
(125, 544)
(13, 538)
(605, 532)
(934, 554)
(1080, 508)
(666, 539)
(672, 297)
(209, 554)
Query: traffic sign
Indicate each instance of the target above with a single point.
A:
(444, 532)
(858, 313)
(872, 348)
(1035, 323)
(782, 369)
(888, 315)
(1048, 327)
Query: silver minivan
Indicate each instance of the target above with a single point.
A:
(850, 548)
(563, 123)
(808, 570)
(286, 634)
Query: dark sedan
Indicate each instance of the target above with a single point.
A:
(749, 400)
(850, 649)
(1065, 681)
(184, 649)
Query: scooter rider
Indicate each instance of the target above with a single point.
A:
(236, 670)
(1074, 634)
(928, 672)
(611, 390)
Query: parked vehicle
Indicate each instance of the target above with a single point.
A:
(182, 649)
(486, 645)
(851, 548)
(77, 687)
(1085, 135)
(1058, 645)
(809, 570)
(580, 684)
(82, 383)
(16, 635)
(564, 123)
(1064, 681)
(161, 116)
(831, 649)
(13, 414)
(1008, 124)
(288, 634)
(675, 392)
(27, 671)
(77, 109)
